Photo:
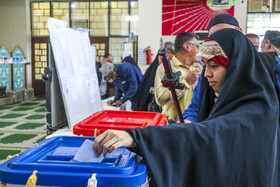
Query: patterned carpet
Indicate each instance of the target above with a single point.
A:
(21, 126)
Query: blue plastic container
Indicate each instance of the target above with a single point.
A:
(57, 168)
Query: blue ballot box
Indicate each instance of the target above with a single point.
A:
(63, 161)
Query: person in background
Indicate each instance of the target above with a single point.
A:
(126, 78)
(219, 22)
(108, 58)
(271, 43)
(186, 47)
(130, 60)
(103, 84)
(146, 101)
(234, 144)
(254, 38)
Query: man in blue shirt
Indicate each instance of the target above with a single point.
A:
(220, 21)
(126, 78)
(271, 43)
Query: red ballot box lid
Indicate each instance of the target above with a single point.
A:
(101, 121)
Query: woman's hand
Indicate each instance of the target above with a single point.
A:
(111, 140)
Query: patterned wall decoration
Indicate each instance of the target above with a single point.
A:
(4, 51)
(5, 69)
(18, 52)
(191, 15)
(18, 68)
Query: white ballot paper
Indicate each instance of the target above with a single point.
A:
(65, 151)
(86, 153)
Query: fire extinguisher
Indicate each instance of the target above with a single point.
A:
(148, 55)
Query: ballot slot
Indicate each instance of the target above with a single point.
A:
(62, 151)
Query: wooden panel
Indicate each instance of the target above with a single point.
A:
(102, 46)
(39, 62)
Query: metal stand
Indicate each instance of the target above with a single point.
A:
(55, 116)
(171, 80)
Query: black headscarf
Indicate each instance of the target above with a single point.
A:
(144, 96)
(236, 145)
(131, 60)
(207, 93)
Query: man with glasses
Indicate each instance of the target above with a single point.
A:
(196, 45)
(126, 78)
(186, 48)
(271, 43)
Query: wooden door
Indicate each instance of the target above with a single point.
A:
(39, 62)
(40, 59)
(102, 46)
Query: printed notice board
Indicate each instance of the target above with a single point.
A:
(75, 65)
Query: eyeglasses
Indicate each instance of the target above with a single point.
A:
(196, 45)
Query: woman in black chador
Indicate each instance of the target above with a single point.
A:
(145, 97)
(236, 141)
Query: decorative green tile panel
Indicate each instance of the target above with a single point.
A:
(41, 110)
(22, 109)
(17, 138)
(5, 107)
(35, 117)
(9, 116)
(30, 125)
(6, 123)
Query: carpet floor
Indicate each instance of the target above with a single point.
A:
(21, 126)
